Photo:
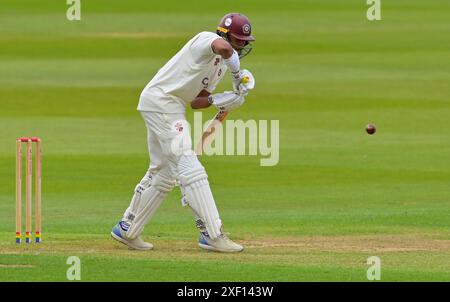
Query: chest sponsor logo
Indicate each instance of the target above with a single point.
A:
(205, 82)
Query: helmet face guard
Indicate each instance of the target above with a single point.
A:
(245, 50)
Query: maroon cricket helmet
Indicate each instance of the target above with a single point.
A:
(238, 26)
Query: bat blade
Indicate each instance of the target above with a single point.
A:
(209, 133)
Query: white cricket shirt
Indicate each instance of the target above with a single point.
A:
(194, 68)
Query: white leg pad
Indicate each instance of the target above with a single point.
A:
(144, 184)
(195, 184)
(150, 201)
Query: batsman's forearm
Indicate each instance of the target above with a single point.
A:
(200, 102)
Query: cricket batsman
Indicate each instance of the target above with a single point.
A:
(188, 78)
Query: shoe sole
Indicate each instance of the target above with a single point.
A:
(211, 248)
(130, 246)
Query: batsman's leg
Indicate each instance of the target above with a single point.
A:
(149, 193)
(198, 196)
(140, 211)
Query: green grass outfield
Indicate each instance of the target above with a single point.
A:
(337, 195)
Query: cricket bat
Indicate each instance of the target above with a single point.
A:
(208, 134)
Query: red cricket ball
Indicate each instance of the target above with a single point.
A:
(371, 129)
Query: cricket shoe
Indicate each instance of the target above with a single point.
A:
(119, 233)
(219, 244)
